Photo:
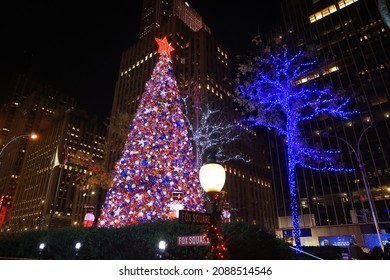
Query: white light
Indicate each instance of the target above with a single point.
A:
(162, 245)
(78, 245)
(212, 177)
(42, 246)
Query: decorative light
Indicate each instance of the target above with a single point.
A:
(77, 246)
(270, 93)
(162, 245)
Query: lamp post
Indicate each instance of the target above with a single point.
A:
(359, 159)
(32, 136)
(212, 178)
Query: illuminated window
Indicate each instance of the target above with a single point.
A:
(316, 75)
(345, 3)
(330, 10)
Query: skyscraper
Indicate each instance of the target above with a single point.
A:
(48, 194)
(37, 191)
(31, 108)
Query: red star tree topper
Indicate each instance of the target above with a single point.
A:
(164, 46)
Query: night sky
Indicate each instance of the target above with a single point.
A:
(75, 46)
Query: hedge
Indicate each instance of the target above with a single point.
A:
(244, 241)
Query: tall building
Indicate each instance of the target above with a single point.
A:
(37, 192)
(30, 108)
(352, 39)
(198, 59)
(48, 193)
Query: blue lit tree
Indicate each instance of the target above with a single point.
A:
(384, 11)
(279, 90)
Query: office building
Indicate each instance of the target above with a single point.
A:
(38, 192)
(31, 107)
(49, 193)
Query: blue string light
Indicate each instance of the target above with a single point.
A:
(274, 91)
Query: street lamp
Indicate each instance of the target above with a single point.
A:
(359, 159)
(32, 136)
(212, 177)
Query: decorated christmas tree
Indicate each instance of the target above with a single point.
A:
(156, 175)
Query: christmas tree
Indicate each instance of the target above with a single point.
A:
(156, 174)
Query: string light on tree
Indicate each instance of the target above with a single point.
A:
(270, 92)
(157, 160)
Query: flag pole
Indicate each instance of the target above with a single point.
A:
(47, 187)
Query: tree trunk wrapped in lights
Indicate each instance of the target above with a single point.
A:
(279, 90)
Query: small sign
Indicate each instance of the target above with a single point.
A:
(191, 217)
(193, 240)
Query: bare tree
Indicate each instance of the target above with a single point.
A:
(91, 172)
(210, 129)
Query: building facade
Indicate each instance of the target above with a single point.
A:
(36, 191)
(31, 107)
(49, 194)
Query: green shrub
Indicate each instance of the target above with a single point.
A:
(139, 242)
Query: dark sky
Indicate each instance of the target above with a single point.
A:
(75, 46)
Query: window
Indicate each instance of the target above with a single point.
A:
(345, 3)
